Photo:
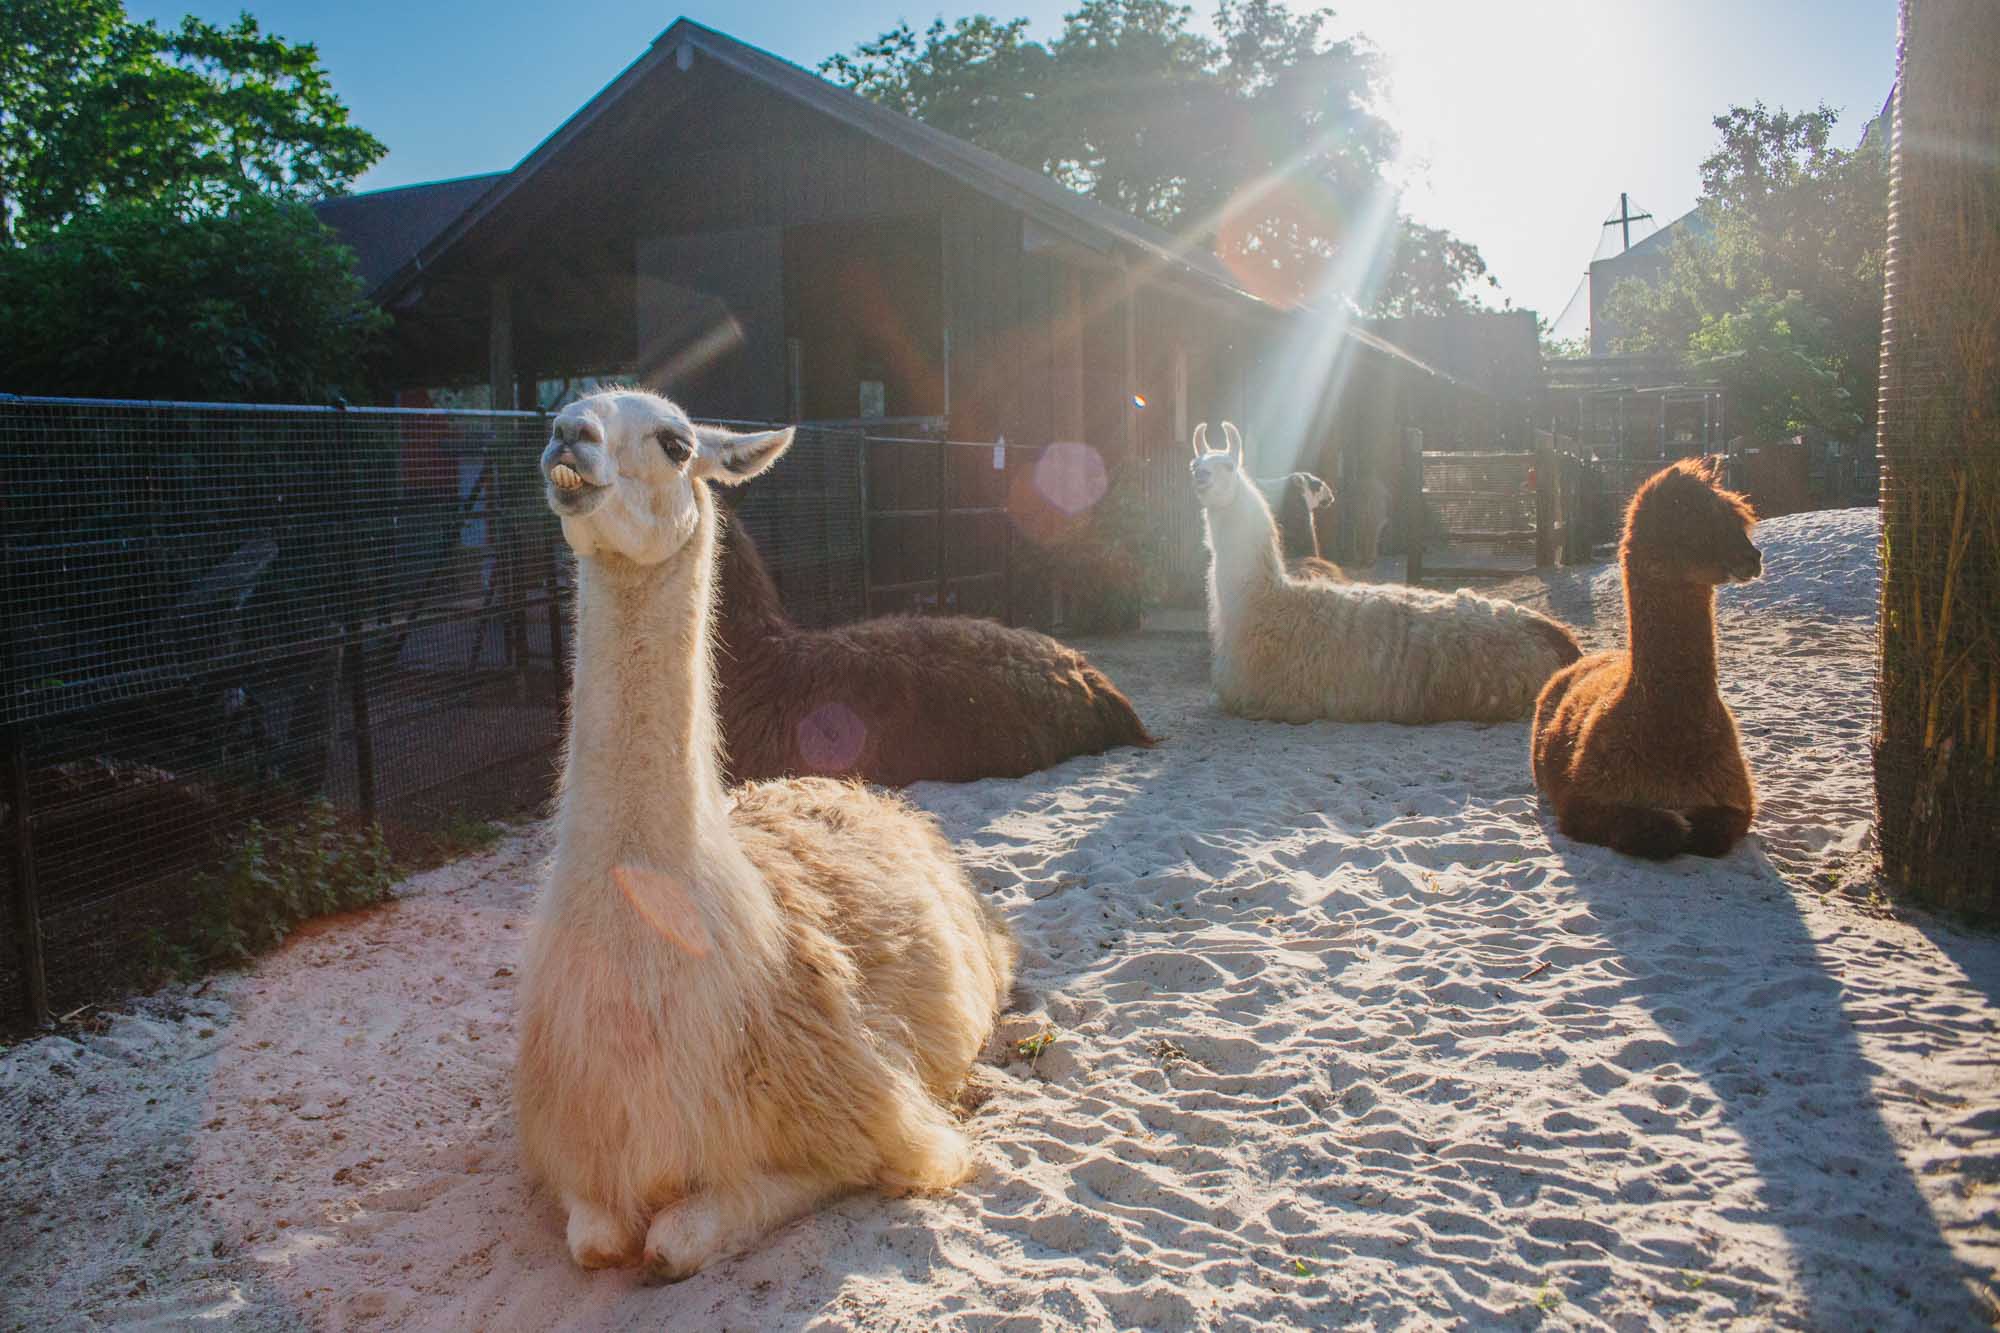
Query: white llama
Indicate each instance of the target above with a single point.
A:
(1293, 650)
(727, 1014)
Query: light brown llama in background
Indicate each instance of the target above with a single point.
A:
(728, 1014)
(1636, 748)
(1293, 650)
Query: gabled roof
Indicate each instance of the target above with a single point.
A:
(1033, 193)
(386, 228)
(1048, 202)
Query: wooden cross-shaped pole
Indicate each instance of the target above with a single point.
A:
(1626, 217)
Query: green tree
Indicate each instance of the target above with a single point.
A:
(1782, 298)
(96, 109)
(133, 300)
(1259, 142)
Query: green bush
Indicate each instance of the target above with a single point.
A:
(275, 878)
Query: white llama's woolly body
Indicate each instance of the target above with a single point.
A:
(1291, 650)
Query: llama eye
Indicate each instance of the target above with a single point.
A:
(677, 446)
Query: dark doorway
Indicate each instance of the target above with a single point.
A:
(711, 321)
(864, 311)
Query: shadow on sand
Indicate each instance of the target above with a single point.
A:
(1769, 1020)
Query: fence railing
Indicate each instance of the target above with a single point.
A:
(215, 613)
(1486, 514)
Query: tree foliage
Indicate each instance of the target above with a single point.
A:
(154, 235)
(1782, 298)
(1261, 142)
(132, 300)
(100, 110)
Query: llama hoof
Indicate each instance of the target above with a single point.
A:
(1715, 829)
(1657, 835)
(596, 1240)
(682, 1239)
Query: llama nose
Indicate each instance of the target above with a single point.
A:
(564, 467)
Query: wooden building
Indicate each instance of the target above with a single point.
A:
(760, 244)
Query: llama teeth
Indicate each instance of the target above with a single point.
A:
(565, 477)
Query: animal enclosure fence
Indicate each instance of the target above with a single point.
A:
(1485, 514)
(215, 614)
(939, 527)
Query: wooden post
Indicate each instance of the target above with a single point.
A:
(1545, 497)
(500, 344)
(867, 523)
(361, 605)
(1069, 376)
(1130, 288)
(1413, 505)
(27, 902)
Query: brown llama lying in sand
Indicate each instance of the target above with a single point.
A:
(1636, 748)
(730, 1009)
(899, 699)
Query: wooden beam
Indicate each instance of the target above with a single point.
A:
(1129, 288)
(500, 342)
(1069, 347)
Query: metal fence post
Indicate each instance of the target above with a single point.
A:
(867, 528)
(1545, 497)
(1413, 505)
(357, 613)
(944, 473)
(27, 903)
(1006, 538)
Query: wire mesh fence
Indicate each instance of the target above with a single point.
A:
(218, 614)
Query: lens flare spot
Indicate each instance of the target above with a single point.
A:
(831, 737)
(1071, 476)
(664, 905)
(1138, 400)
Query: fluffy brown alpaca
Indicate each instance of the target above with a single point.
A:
(1636, 749)
(899, 699)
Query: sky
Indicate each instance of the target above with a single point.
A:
(1521, 120)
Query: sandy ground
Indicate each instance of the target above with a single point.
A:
(1342, 1034)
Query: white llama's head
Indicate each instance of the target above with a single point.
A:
(1217, 475)
(621, 470)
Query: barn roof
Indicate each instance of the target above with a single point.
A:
(399, 234)
(386, 228)
(408, 236)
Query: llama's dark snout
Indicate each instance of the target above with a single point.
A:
(1748, 565)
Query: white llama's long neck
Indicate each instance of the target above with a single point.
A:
(642, 783)
(1243, 541)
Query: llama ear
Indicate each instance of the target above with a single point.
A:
(665, 906)
(1200, 439)
(729, 458)
(1233, 441)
